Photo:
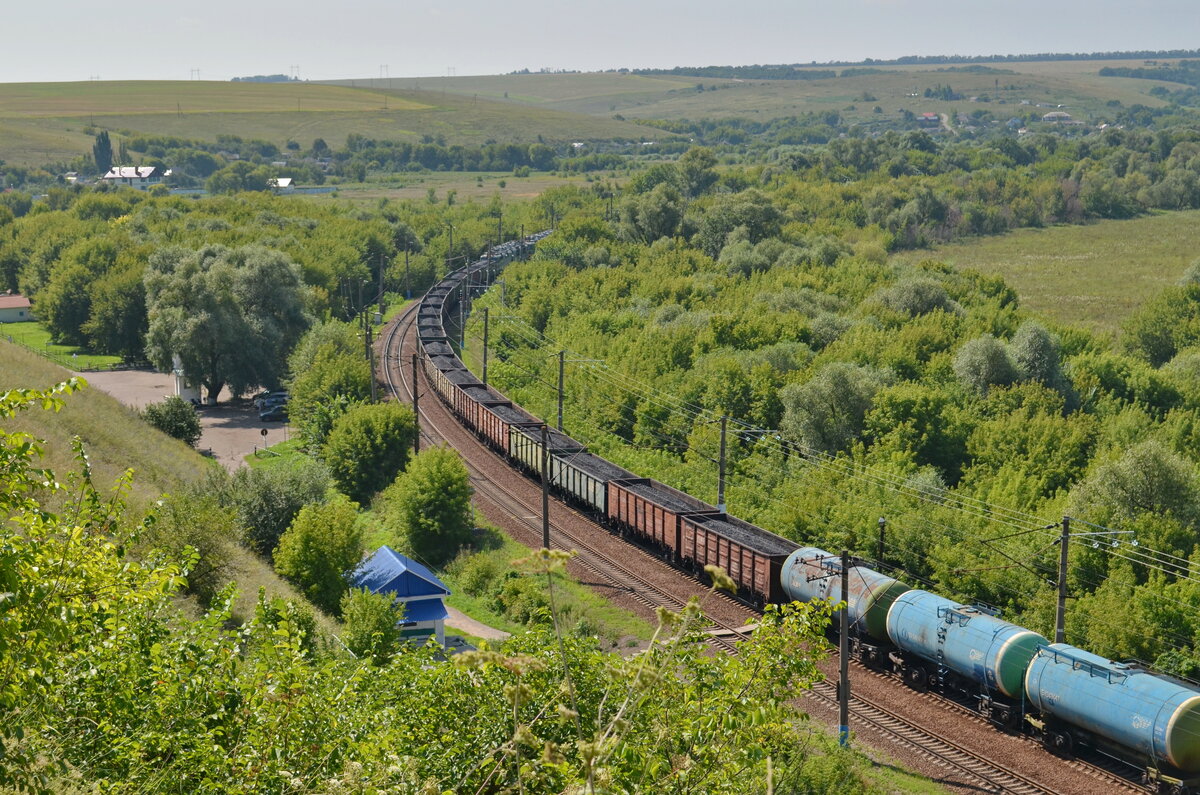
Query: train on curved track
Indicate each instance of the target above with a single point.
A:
(1071, 699)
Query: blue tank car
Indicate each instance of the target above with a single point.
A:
(979, 655)
(1153, 716)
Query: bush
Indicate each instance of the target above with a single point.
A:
(828, 412)
(198, 521)
(267, 500)
(915, 297)
(316, 552)
(176, 418)
(368, 446)
(431, 505)
(984, 362)
(372, 624)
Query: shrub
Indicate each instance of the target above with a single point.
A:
(431, 505)
(984, 362)
(372, 624)
(368, 446)
(321, 546)
(915, 297)
(200, 522)
(267, 500)
(827, 413)
(175, 417)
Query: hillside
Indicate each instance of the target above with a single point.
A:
(43, 122)
(116, 440)
(1074, 84)
(1093, 275)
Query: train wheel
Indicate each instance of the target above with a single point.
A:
(916, 678)
(1058, 742)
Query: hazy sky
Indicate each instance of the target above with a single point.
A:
(166, 39)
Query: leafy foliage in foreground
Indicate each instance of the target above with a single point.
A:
(104, 684)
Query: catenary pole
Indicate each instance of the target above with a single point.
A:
(416, 405)
(844, 658)
(545, 486)
(1060, 614)
(485, 344)
(721, 468)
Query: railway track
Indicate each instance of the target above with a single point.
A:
(982, 773)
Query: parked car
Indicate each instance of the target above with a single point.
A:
(264, 400)
(276, 413)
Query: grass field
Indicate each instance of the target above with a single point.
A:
(41, 122)
(1093, 275)
(1075, 84)
(34, 335)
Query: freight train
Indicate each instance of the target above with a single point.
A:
(1071, 699)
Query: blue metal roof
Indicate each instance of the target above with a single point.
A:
(387, 571)
(424, 610)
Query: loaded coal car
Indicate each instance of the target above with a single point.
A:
(811, 574)
(750, 555)
(429, 329)
(495, 422)
(438, 348)
(454, 381)
(649, 512)
(963, 650)
(1149, 720)
(582, 479)
(470, 400)
(525, 446)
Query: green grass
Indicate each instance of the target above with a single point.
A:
(33, 335)
(1092, 276)
(276, 455)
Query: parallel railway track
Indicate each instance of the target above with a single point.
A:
(975, 770)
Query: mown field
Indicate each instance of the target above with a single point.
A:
(1093, 275)
(1075, 84)
(43, 122)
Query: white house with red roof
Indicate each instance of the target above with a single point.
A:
(15, 308)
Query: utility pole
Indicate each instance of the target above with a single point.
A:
(545, 486)
(1060, 615)
(462, 316)
(485, 344)
(561, 362)
(721, 468)
(416, 405)
(407, 284)
(450, 249)
(882, 531)
(522, 241)
(371, 362)
(381, 284)
(844, 658)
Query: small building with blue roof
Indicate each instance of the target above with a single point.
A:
(412, 585)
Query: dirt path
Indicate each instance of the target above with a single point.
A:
(464, 623)
(232, 429)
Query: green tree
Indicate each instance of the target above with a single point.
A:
(175, 417)
(102, 152)
(230, 315)
(430, 504)
(984, 362)
(368, 446)
(317, 551)
(1148, 478)
(371, 621)
(827, 413)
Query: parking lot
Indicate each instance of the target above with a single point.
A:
(232, 430)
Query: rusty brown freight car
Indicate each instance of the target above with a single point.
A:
(650, 511)
(750, 555)
(494, 422)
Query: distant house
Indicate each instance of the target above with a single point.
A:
(281, 184)
(410, 584)
(929, 120)
(15, 308)
(139, 177)
(1057, 115)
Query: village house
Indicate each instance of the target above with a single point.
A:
(410, 584)
(138, 177)
(15, 308)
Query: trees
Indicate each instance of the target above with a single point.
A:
(266, 500)
(230, 315)
(322, 544)
(175, 417)
(371, 624)
(984, 362)
(102, 152)
(368, 446)
(431, 504)
(329, 376)
(827, 412)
